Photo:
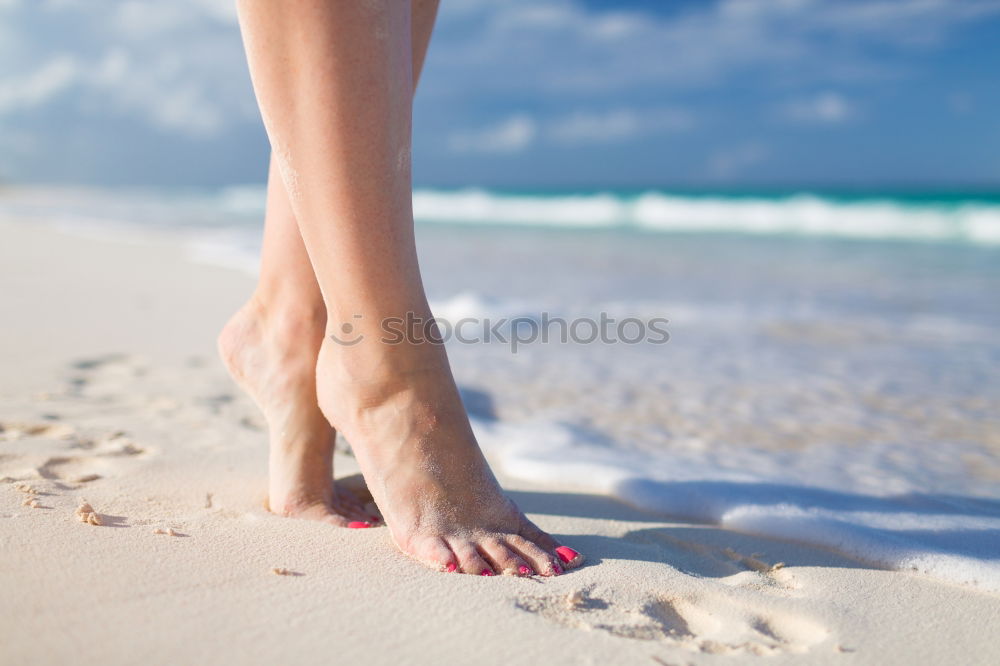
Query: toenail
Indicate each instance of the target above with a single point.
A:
(451, 567)
(525, 571)
(485, 572)
(558, 569)
(566, 554)
(357, 524)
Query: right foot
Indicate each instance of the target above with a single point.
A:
(272, 356)
(401, 412)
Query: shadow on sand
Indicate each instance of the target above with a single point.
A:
(707, 550)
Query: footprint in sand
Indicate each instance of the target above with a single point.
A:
(103, 377)
(728, 566)
(130, 383)
(711, 623)
(59, 452)
(11, 431)
(95, 464)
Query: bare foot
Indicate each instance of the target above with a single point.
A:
(272, 356)
(401, 411)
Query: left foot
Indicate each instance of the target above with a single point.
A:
(272, 356)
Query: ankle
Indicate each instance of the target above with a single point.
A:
(368, 361)
(289, 322)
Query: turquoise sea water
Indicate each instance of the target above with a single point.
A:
(917, 215)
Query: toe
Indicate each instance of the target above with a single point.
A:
(565, 556)
(348, 516)
(470, 560)
(346, 504)
(351, 515)
(540, 560)
(358, 515)
(333, 515)
(335, 519)
(434, 552)
(502, 559)
(570, 558)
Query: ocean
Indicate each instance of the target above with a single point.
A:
(821, 367)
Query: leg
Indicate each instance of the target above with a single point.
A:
(270, 347)
(334, 83)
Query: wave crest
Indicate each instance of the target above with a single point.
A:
(965, 220)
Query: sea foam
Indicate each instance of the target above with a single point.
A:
(872, 505)
(873, 218)
(951, 218)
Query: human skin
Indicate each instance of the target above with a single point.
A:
(335, 82)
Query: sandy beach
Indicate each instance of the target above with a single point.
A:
(111, 394)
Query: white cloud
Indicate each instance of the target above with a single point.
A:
(561, 47)
(38, 87)
(828, 108)
(180, 63)
(521, 131)
(160, 91)
(617, 125)
(178, 66)
(509, 136)
(549, 72)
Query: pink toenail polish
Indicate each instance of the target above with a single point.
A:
(486, 572)
(566, 554)
(375, 519)
(558, 569)
(525, 571)
(451, 567)
(357, 524)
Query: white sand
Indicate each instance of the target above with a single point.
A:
(110, 392)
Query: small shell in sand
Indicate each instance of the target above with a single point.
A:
(86, 514)
(281, 571)
(30, 501)
(169, 531)
(25, 488)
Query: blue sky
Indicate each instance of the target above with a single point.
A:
(535, 94)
